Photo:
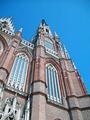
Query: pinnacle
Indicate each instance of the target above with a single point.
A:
(20, 30)
(55, 34)
(19, 33)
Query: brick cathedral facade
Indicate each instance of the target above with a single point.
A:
(38, 79)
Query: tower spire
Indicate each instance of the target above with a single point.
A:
(56, 37)
(62, 52)
(74, 66)
(55, 34)
(19, 33)
(44, 29)
(20, 30)
(65, 52)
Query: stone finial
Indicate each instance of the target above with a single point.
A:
(55, 34)
(20, 30)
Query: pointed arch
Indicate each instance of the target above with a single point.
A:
(53, 87)
(3, 41)
(18, 74)
(29, 55)
(55, 66)
(3, 45)
(48, 43)
(27, 51)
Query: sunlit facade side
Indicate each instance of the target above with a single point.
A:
(38, 79)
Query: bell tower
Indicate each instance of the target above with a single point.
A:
(56, 82)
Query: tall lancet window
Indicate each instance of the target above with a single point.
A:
(53, 88)
(18, 73)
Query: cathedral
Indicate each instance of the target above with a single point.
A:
(38, 79)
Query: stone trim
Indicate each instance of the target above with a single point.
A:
(34, 81)
(11, 90)
(60, 106)
(38, 92)
(5, 71)
(78, 96)
(77, 108)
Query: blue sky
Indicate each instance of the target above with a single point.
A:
(69, 18)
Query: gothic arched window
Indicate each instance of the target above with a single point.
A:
(1, 47)
(52, 82)
(48, 43)
(18, 73)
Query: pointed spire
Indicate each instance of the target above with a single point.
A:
(65, 52)
(44, 29)
(62, 52)
(19, 33)
(9, 19)
(74, 66)
(55, 34)
(20, 30)
(40, 25)
(56, 38)
(64, 48)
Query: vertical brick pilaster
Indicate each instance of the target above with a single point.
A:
(39, 88)
(76, 115)
(10, 55)
(8, 60)
(38, 108)
(39, 64)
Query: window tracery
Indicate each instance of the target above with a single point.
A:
(48, 44)
(12, 109)
(18, 73)
(53, 88)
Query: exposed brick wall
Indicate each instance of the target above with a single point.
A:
(73, 107)
(55, 112)
(38, 107)
(76, 115)
(86, 114)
